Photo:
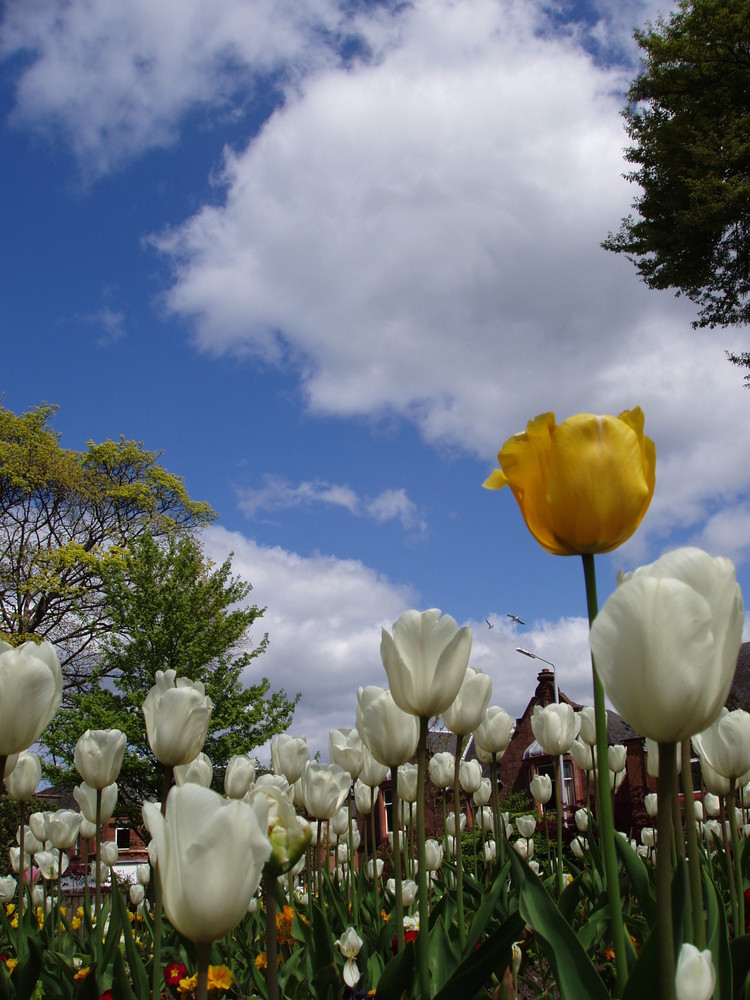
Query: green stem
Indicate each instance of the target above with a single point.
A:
(691, 833)
(350, 867)
(457, 838)
(374, 854)
(726, 852)
(20, 949)
(203, 952)
(272, 949)
(499, 828)
(664, 827)
(606, 816)
(396, 854)
(98, 851)
(739, 926)
(679, 846)
(559, 810)
(424, 903)
(156, 972)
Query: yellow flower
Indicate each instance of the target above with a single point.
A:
(284, 920)
(187, 986)
(75, 923)
(82, 973)
(261, 961)
(583, 486)
(219, 977)
(9, 909)
(11, 963)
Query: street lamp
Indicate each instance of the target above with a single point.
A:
(561, 768)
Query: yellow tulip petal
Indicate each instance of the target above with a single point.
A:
(525, 460)
(496, 480)
(583, 486)
(596, 488)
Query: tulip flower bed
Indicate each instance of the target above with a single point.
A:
(267, 892)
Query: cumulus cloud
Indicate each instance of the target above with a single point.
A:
(420, 235)
(324, 618)
(277, 493)
(117, 79)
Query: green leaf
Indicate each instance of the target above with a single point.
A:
(639, 879)
(740, 949)
(475, 971)
(397, 980)
(26, 973)
(138, 972)
(717, 939)
(120, 983)
(486, 908)
(443, 955)
(572, 968)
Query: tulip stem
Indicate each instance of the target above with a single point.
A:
(20, 949)
(203, 953)
(499, 831)
(606, 814)
(272, 950)
(691, 833)
(98, 853)
(558, 818)
(424, 903)
(156, 973)
(739, 916)
(457, 840)
(374, 853)
(396, 854)
(664, 827)
(727, 855)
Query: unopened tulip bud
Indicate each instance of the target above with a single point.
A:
(695, 978)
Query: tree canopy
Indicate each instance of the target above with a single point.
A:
(169, 608)
(688, 116)
(65, 516)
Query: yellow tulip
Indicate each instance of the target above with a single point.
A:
(583, 486)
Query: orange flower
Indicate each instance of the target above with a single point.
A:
(284, 920)
(187, 985)
(82, 973)
(219, 977)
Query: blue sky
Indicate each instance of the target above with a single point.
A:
(327, 257)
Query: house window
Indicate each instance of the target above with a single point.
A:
(695, 767)
(122, 835)
(388, 809)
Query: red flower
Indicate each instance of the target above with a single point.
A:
(409, 935)
(174, 973)
(107, 995)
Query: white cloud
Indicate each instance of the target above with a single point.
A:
(420, 236)
(278, 494)
(110, 323)
(324, 618)
(118, 78)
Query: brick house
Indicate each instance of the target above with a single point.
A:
(524, 758)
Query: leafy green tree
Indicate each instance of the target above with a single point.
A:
(170, 608)
(65, 517)
(688, 115)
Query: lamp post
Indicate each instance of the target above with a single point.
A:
(561, 789)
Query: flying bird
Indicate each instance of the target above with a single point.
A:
(515, 618)
(488, 623)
